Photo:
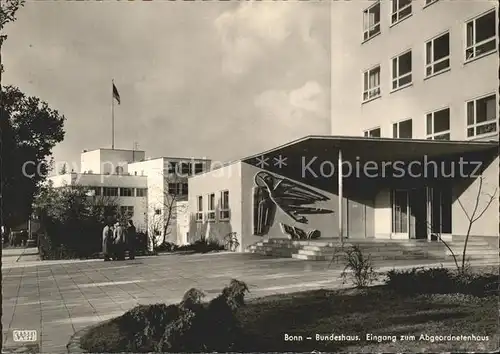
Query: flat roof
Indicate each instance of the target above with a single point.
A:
(109, 149)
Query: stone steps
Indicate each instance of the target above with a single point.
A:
(477, 249)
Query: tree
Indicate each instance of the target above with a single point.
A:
(63, 171)
(73, 218)
(162, 223)
(8, 9)
(29, 131)
(474, 215)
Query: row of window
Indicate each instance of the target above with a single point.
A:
(224, 213)
(481, 40)
(119, 192)
(178, 189)
(400, 10)
(185, 168)
(481, 120)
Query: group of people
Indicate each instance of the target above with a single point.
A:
(117, 239)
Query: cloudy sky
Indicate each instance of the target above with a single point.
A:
(217, 80)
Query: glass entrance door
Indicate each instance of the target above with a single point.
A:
(439, 211)
(400, 212)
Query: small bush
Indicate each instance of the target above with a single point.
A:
(441, 280)
(358, 268)
(211, 327)
(166, 247)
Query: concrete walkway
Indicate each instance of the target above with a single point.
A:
(57, 298)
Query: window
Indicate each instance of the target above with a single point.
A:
(119, 170)
(482, 116)
(371, 83)
(401, 9)
(110, 191)
(371, 21)
(141, 192)
(172, 167)
(401, 70)
(96, 191)
(211, 207)
(438, 125)
(437, 54)
(198, 168)
(158, 211)
(126, 192)
(185, 168)
(372, 133)
(224, 205)
(127, 211)
(178, 188)
(403, 129)
(481, 35)
(199, 208)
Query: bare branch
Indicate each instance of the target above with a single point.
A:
(492, 198)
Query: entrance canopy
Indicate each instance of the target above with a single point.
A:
(320, 161)
(377, 149)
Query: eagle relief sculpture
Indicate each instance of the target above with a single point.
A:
(295, 200)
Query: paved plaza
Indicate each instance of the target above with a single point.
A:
(58, 298)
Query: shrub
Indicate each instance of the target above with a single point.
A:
(146, 325)
(441, 280)
(166, 247)
(358, 268)
(206, 328)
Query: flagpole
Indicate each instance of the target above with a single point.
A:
(112, 115)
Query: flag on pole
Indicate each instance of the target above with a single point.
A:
(116, 95)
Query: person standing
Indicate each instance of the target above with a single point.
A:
(107, 240)
(119, 241)
(131, 239)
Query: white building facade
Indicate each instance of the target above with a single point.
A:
(152, 192)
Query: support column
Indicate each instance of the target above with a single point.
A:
(340, 197)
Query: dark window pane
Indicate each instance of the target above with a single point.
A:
(470, 132)
(375, 133)
(485, 109)
(394, 130)
(394, 68)
(404, 63)
(442, 47)
(405, 80)
(485, 27)
(445, 64)
(442, 120)
(405, 129)
(486, 47)
(486, 128)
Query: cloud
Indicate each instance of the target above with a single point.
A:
(301, 109)
(249, 32)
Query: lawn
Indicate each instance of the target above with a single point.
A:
(375, 311)
(352, 313)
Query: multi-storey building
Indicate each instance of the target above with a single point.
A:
(422, 69)
(150, 191)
